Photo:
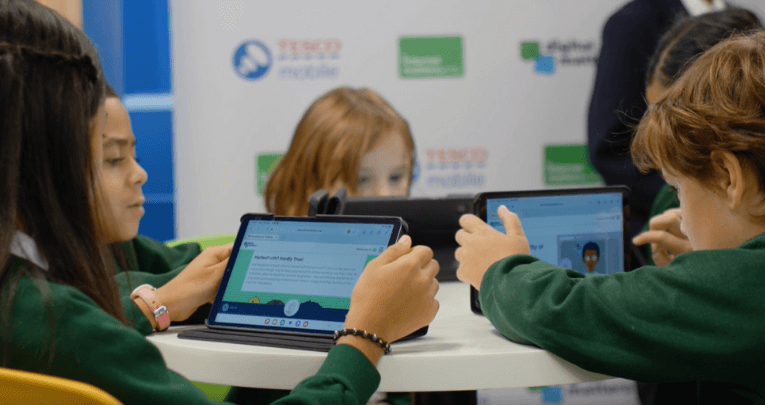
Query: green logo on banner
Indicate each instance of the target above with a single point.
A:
(266, 164)
(428, 57)
(569, 165)
(529, 50)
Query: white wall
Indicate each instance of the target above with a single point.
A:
(497, 116)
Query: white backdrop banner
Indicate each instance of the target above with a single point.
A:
(489, 89)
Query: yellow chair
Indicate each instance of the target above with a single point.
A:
(23, 387)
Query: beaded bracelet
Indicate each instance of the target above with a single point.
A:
(362, 333)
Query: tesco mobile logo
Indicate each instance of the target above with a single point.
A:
(252, 60)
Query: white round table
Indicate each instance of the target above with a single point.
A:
(462, 351)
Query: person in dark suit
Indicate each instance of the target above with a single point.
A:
(630, 37)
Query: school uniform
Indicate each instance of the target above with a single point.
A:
(697, 319)
(58, 330)
(154, 263)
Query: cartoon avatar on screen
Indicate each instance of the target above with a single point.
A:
(590, 256)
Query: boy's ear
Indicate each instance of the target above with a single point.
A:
(731, 177)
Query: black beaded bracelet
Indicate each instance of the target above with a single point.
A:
(362, 333)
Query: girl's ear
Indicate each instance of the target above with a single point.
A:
(732, 179)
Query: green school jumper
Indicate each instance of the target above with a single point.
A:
(154, 263)
(700, 318)
(57, 330)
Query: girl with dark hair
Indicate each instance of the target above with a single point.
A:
(61, 311)
(144, 260)
(696, 319)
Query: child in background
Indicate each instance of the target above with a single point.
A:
(61, 311)
(348, 138)
(696, 319)
(686, 40)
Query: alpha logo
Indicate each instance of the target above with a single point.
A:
(252, 60)
(547, 57)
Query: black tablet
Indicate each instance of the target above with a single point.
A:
(432, 222)
(289, 280)
(584, 229)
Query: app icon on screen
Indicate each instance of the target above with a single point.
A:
(291, 307)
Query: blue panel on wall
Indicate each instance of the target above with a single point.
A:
(146, 41)
(159, 221)
(102, 22)
(154, 147)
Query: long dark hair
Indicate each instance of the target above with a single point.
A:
(51, 87)
(689, 37)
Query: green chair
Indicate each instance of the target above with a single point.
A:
(214, 392)
(205, 241)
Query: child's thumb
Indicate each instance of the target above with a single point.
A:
(510, 221)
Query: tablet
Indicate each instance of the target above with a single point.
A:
(432, 222)
(289, 280)
(584, 229)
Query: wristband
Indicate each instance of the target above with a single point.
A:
(146, 293)
(363, 334)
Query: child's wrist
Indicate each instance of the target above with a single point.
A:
(369, 349)
(146, 312)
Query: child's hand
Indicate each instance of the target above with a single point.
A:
(196, 285)
(481, 245)
(395, 294)
(666, 237)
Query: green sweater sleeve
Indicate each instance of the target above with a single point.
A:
(62, 332)
(696, 319)
(345, 378)
(154, 263)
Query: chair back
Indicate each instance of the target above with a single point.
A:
(23, 387)
(205, 241)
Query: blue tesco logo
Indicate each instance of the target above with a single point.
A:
(252, 60)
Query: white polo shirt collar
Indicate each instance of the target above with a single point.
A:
(23, 246)
(699, 7)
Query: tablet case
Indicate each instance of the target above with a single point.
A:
(433, 222)
(314, 342)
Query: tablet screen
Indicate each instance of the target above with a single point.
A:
(582, 232)
(297, 274)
